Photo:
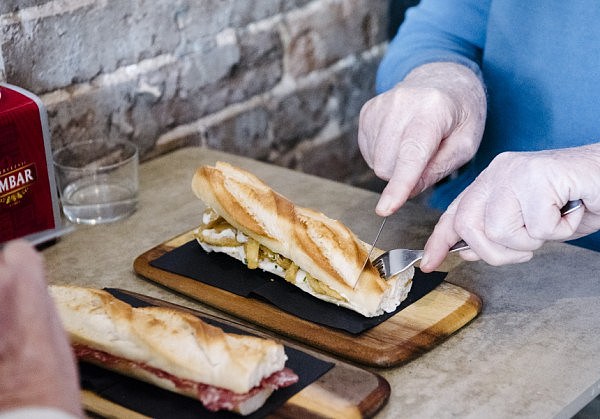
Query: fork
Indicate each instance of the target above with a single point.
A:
(396, 261)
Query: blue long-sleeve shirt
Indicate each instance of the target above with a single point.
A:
(540, 63)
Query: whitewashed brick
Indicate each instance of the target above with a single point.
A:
(276, 80)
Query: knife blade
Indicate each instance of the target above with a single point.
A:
(370, 252)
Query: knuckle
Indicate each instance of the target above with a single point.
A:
(435, 97)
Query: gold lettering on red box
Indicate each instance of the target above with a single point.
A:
(28, 203)
(15, 183)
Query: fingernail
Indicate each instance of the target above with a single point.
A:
(384, 205)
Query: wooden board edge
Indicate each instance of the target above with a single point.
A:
(437, 332)
(354, 348)
(105, 408)
(370, 407)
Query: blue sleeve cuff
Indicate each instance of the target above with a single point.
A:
(389, 74)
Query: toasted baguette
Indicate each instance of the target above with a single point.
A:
(322, 247)
(169, 341)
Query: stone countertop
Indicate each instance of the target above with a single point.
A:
(534, 351)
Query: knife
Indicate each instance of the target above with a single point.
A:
(370, 251)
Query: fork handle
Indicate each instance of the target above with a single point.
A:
(461, 245)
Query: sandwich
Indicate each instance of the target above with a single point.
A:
(249, 221)
(173, 349)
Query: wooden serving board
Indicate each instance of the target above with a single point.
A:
(412, 331)
(345, 391)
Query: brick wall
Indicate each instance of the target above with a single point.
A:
(276, 80)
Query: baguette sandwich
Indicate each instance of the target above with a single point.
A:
(173, 350)
(249, 221)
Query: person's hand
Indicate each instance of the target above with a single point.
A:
(37, 367)
(513, 207)
(423, 129)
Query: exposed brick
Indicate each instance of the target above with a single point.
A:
(336, 158)
(333, 152)
(260, 66)
(305, 111)
(294, 4)
(93, 114)
(9, 6)
(300, 115)
(355, 85)
(320, 35)
(200, 80)
(245, 12)
(174, 143)
(2, 71)
(244, 133)
(249, 11)
(229, 73)
(276, 80)
(143, 107)
(116, 33)
(198, 21)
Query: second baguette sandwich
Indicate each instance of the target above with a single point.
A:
(249, 221)
(173, 350)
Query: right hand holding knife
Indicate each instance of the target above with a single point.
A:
(430, 124)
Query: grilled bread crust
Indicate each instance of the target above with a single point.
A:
(323, 247)
(165, 339)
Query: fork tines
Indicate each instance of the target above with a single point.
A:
(378, 263)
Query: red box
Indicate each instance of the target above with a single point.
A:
(29, 205)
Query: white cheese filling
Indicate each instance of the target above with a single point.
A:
(239, 253)
(396, 294)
